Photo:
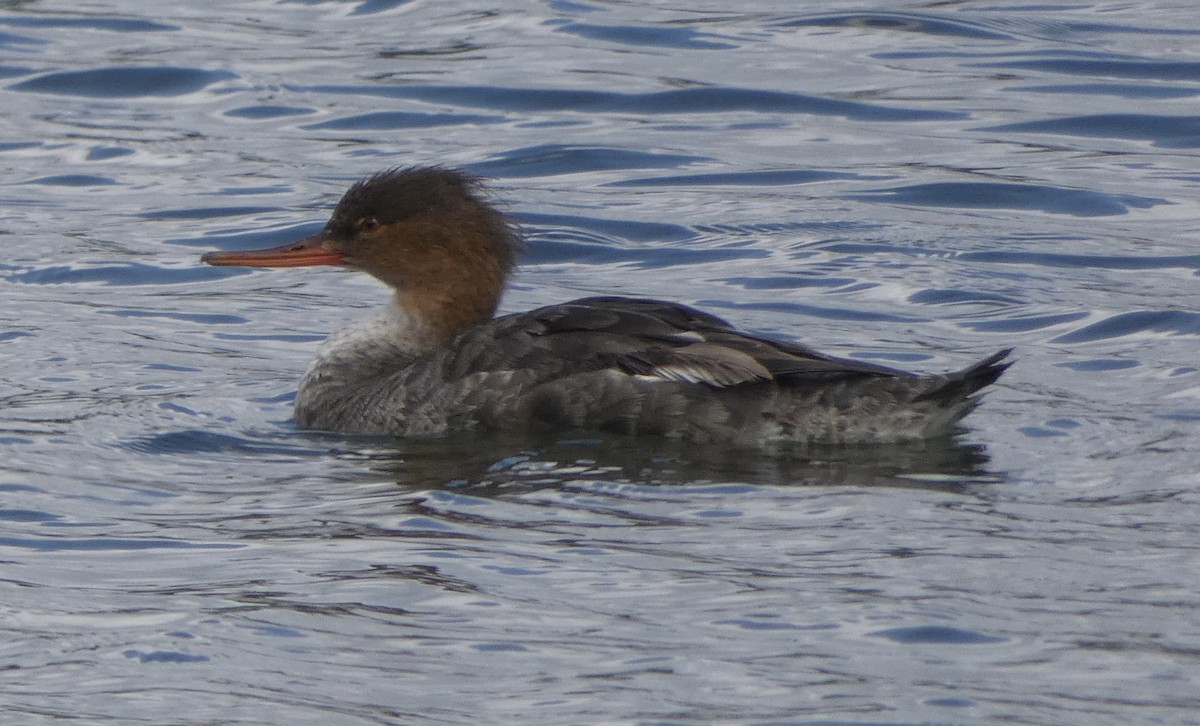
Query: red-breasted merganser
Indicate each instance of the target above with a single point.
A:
(436, 361)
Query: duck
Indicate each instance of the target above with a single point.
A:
(437, 360)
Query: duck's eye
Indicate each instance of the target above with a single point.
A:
(370, 224)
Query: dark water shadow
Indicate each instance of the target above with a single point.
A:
(498, 464)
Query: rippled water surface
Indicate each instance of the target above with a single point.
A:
(915, 183)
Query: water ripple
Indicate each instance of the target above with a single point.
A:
(133, 273)
(924, 24)
(1109, 67)
(1024, 323)
(99, 22)
(768, 178)
(677, 101)
(1173, 322)
(14, 41)
(1170, 132)
(551, 159)
(613, 229)
(101, 544)
(1083, 261)
(73, 180)
(993, 195)
(1131, 91)
(266, 112)
(371, 7)
(205, 212)
(661, 36)
(383, 120)
(124, 82)
(938, 635)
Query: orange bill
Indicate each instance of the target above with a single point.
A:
(306, 252)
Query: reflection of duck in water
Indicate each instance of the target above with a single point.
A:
(436, 361)
(498, 463)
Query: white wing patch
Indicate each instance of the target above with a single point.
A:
(689, 335)
(710, 364)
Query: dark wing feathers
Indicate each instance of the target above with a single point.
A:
(657, 339)
(635, 317)
(799, 363)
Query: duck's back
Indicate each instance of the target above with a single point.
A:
(633, 366)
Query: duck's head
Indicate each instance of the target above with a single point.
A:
(428, 232)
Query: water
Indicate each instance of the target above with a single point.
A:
(912, 183)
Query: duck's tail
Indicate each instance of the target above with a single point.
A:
(965, 383)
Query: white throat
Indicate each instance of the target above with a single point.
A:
(387, 339)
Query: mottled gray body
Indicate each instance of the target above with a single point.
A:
(623, 365)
